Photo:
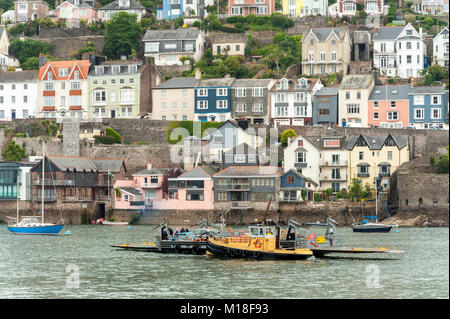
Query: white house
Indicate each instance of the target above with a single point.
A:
(440, 48)
(129, 6)
(18, 94)
(342, 8)
(373, 7)
(291, 101)
(432, 7)
(399, 51)
(8, 16)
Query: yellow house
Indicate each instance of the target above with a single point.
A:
(371, 157)
(293, 8)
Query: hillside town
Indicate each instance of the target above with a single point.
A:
(194, 109)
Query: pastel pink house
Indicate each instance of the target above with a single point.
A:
(246, 7)
(192, 190)
(388, 106)
(76, 10)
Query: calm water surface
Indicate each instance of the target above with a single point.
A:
(41, 267)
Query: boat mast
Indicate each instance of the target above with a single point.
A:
(42, 181)
(376, 191)
(17, 193)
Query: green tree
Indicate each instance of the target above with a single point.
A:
(441, 166)
(285, 136)
(89, 47)
(14, 152)
(357, 190)
(123, 34)
(23, 50)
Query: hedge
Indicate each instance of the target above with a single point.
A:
(104, 139)
(111, 132)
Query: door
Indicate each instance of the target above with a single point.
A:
(13, 114)
(113, 114)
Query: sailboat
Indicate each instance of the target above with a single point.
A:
(31, 225)
(372, 227)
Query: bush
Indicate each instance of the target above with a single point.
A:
(104, 139)
(317, 197)
(14, 152)
(285, 136)
(21, 134)
(111, 132)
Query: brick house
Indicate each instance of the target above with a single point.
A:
(29, 10)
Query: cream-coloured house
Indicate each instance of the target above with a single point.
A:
(4, 41)
(371, 157)
(354, 92)
(326, 51)
(228, 43)
(173, 100)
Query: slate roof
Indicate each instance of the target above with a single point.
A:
(124, 70)
(381, 93)
(82, 4)
(227, 81)
(22, 76)
(242, 148)
(73, 163)
(175, 83)
(377, 142)
(323, 33)
(131, 190)
(248, 171)
(251, 83)
(222, 37)
(134, 5)
(108, 165)
(328, 91)
(177, 34)
(356, 81)
(155, 171)
(307, 179)
(387, 33)
(428, 90)
(198, 172)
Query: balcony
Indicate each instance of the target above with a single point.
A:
(234, 187)
(333, 164)
(47, 198)
(301, 164)
(384, 174)
(56, 182)
(363, 174)
(329, 177)
(151, 185)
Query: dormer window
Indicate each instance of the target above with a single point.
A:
(284, 84)
(76, 75)
(115, 69)
(99, 70)
(408, 32)
(303, 83)
(63, 72)
(132, 69)
(76, 2)
(124, 3)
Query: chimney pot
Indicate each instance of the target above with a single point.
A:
(149, 165)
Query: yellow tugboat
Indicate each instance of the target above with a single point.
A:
(262, 241)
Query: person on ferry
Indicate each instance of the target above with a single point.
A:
(182, 230)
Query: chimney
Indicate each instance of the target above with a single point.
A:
(42, 60)
(149, 165)
(198, 74)
(420, 31)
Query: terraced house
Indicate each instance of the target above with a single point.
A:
(75, 10)
(247, 7)
(63, 88)
(119, 89)
(129, 6)
(326, 51)
(213, 99)
(291, 101)
(427, 107)
(250, 100)
(302, 8)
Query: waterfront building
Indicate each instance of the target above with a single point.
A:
(246, 187)
(8, 62)
(119, 89)
(427, 108)
(76, 180)
(322, 159)
(440, 48)
(75, 10)
(168, 46)
(29, 10)
(174, 99)
(241, 155)
(18, 94)
(354, 92)
(213, 99)
(325, 106)
(291, 101)
(388, 106)
(373, 157)
(228, 43)
(248, 7)
(129, 6)
(63, 88)
(326, 51)
(250, 100)
(399, 51)
(294, 187)
(9, 173)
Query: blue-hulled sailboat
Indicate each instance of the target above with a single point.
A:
(31, 225)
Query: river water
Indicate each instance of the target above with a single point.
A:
(83, 265)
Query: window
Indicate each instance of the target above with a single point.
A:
(375, 104)
(408, 45)
(63, 101)
(419, 99)
(333, 56)
(99, 96)
(347, 95)
(435, 99)
(174, 105)
(393, 104)
(389, 155)
(408, 59)
(436, 114)
(322, 56)
(185, 117)
(75, 85)
(63, 72)
(258, 108)
(241, 92)
(375, 116)
(361, 156)
(75, 100)
(363, 169)
(222, 104)
(48, 86)
(281, 111)
(300, 157)
(291, 179)
(281, 97)
(202, 104)
(258, 91)
(126, 111)
(49, 101)
(392, 115)
(152, 47)
(76, 75)
(352, 108)
(241, 108)
(202, 92)
(323, 111)
(419, 114)
(221, 92)
(126, 95)
(358, 95)
(299, 97)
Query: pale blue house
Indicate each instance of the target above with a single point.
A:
(427, 107)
